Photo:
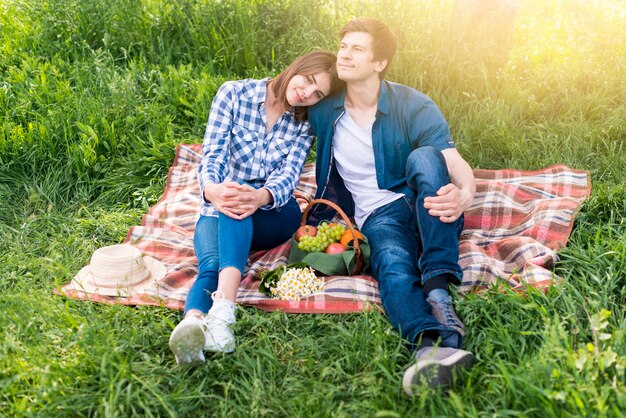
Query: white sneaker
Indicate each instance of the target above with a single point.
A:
(210, 332)
(220, 318)
(188, 339)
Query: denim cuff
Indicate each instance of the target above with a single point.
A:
(449, 337)
(241, 270)
(455, 276)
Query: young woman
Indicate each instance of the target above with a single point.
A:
(254, 149)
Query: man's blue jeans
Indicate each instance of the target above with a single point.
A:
(409, 246)
(221, 242)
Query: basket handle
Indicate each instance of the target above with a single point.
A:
(358, 263)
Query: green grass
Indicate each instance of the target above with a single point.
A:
(94, 98)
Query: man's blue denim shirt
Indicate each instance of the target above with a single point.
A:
(405, 120)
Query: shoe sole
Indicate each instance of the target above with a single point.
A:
(436, 372)
(215, 348)
(187, 344)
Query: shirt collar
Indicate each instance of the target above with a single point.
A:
(383, 98)
(258, 93)
(338, 99)
(255, 93)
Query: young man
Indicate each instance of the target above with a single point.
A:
(385, 155)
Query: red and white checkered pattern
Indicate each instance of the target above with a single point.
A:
(515, 226)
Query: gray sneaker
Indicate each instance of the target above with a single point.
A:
(443, 311)
(435, 366)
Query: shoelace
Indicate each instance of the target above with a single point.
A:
(204, 322)
(218, 295)
(448, 313)
(219, 329)
(211, 317)
(218, 319)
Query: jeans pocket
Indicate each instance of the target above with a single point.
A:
(410, 202)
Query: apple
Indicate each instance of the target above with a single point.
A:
(309, 230)
(335, 248)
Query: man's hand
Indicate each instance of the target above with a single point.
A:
(449, 203)
(453, 198)
(235, 200)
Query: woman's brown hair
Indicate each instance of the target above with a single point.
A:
(308, 64)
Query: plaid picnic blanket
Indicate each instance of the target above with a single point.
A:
(513, 230)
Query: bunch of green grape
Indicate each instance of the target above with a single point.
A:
(334, 231)
(326, 234)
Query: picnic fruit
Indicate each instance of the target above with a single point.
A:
(333, 231)
(326, 234)
(305, 230)
(335, 248)
(346, 238)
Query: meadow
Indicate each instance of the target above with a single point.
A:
(95, 96)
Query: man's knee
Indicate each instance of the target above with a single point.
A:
(426, 166)
(422, 158)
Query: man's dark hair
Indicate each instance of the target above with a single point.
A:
(384, 41)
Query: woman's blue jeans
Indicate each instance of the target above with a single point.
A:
(409, 246)
(221, 242)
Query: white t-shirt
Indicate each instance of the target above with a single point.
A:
(354, 155)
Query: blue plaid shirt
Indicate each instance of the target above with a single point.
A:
(238, 148)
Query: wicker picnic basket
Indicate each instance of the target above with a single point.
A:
(350, 262)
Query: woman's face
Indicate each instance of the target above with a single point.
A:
(306, 90)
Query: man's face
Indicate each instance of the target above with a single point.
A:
(355, 59)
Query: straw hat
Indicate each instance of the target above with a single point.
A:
(117, 270)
